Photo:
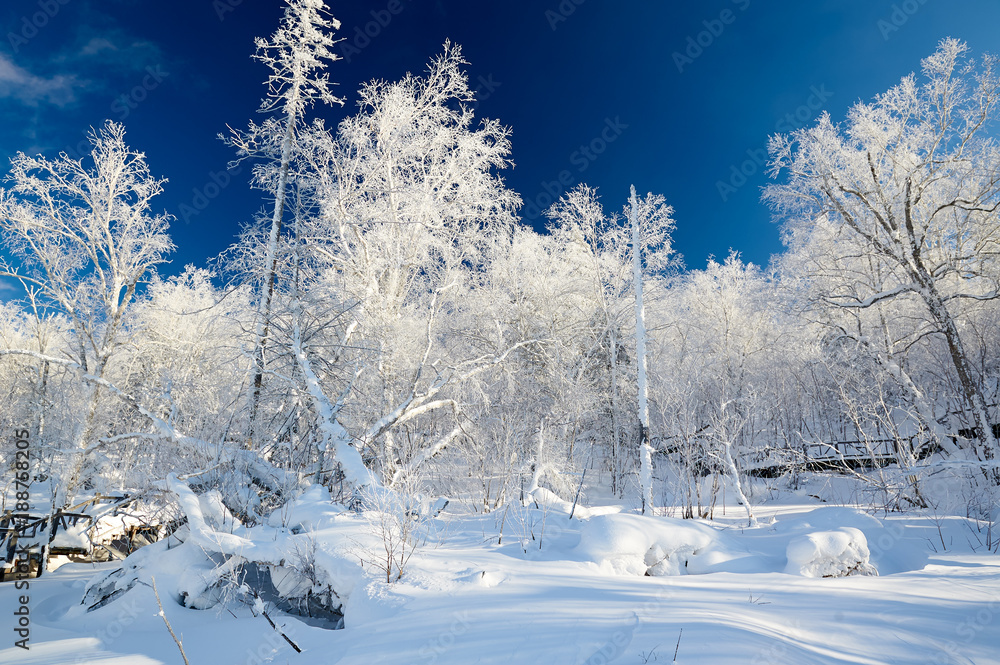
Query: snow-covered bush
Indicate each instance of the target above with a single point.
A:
(396, 523)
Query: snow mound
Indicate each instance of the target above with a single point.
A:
(828, 518)
(836, 553)
(639, 545)
(892, 547)
(545, 498)
(312, 511)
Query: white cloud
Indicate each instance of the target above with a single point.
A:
(114, 49)
(96, 45)
(18, 83)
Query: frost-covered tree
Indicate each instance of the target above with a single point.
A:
(409, 203)
(84, 237)
(183, 359)
(718, 374)
(616, 253)
(409, 186)
(34, 393)
(899, 205)
(597, 246)
(297, 54)
(651, 224)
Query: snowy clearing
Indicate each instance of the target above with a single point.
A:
(579, 596)
(395, 422)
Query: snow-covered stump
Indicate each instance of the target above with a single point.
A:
(836, 553)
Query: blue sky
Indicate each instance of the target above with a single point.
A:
(675, 97)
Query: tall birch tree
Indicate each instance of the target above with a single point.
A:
(651, 225)
(297, 55)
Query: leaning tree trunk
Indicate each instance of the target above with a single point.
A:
(924, 279)
(963, 368)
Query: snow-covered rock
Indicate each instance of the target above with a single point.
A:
(836, 553)
(642, 545)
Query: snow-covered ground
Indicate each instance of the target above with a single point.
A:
(556, 591)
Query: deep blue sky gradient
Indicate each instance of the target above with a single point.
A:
(607, 93)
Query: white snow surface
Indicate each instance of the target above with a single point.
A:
(556, 591)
